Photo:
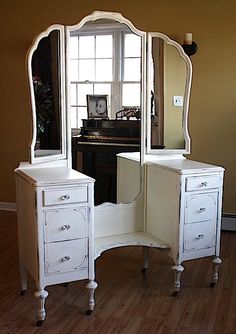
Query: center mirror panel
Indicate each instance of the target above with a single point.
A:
(105, 84)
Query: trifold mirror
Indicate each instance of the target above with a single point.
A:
(98, 82)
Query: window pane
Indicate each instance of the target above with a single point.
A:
(73, 47)
(83, 90)
(73, 117)
(104, 46)
(86, 46)
(103, 70)
(132, 45)
(73, 70)
(102, 89)
(73, 100)
(131, 95)
(82, 114)
(132, 69)
(86, 70)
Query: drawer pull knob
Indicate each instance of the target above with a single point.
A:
(204, 184)
(65, 197)
(65, 258)
(202, 209)
(200, 236)
(65, 227)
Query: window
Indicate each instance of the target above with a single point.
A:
(106, 62)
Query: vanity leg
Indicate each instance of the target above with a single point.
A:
(41, 295)
(177, 269)
(23, 277)
(91, 286)
(216, 263)
(145, 258)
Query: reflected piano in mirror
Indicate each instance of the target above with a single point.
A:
(94, 151)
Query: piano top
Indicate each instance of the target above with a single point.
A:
(110, 130)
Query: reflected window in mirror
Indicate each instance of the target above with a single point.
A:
(46, 86)
(105, 58)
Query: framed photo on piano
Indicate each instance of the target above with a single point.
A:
(97, 106)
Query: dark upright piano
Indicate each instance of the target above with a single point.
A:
(94, 152)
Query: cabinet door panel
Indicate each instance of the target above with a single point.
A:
(66, 256)
(199, 236)
(65, 224)
(201, 207)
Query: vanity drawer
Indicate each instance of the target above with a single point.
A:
(201, 207)
(65, 224)
(66, 256)
(65, 195)
(202, 182)
(199, 236)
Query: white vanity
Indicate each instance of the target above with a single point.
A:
(163, 199)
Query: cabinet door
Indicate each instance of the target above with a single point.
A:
(65, 224)
(201, 207)
(66, 256)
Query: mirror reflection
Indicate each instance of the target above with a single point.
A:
(46, 87)
(105, 66)
(168, 80)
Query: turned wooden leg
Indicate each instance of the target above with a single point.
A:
(177, 269)
(145, 258)
(216, 263)
(91, 286)
(23, 277)
(41, 295)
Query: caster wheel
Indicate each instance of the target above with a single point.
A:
(143, 271)
(22, 293)
(88, 312)
(175, 293)
(212, 285)
(39, 323)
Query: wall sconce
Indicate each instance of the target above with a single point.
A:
(189, 46)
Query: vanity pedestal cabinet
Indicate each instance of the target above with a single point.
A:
(55, 229)
(183, 202)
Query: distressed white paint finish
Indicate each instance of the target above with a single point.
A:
(183, 205)
(56, 228)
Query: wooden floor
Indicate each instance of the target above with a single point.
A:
(127, 301)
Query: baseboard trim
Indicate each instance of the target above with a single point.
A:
(228, 222)
(5, 206)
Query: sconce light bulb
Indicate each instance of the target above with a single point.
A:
(188, 38)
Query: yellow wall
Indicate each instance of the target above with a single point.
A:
(175, 74)
(213, 99)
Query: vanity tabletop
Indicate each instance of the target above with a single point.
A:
(53, 175)
(186, 166)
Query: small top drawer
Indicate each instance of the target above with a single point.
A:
(65, 195)
(202, 182)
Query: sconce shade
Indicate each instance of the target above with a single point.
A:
(190, 49)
